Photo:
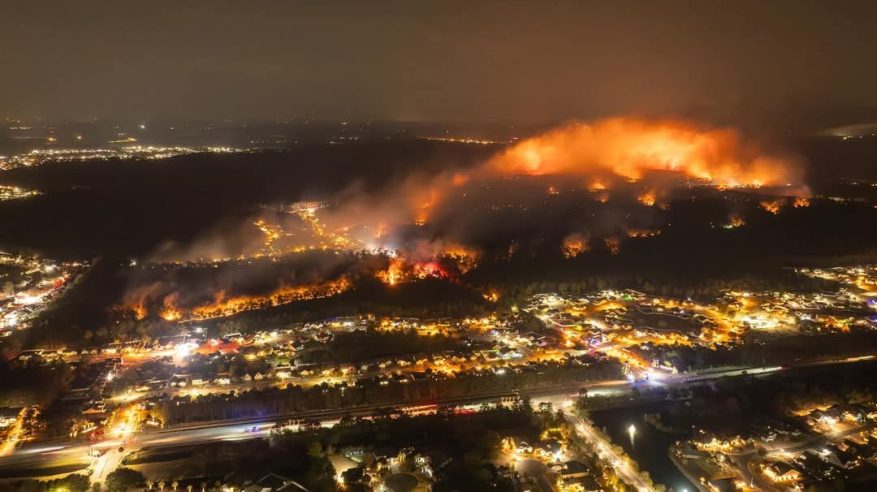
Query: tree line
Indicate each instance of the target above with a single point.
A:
(432, 387)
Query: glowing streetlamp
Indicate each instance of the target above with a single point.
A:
(631, 431)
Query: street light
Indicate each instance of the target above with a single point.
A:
(631, 431)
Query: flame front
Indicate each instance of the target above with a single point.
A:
(629, 148)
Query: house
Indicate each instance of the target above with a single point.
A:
(573, 469)
(780, 471)
(575, 474)
(273, 482)
(848, 455)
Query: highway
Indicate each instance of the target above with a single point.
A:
(604, 450)
(50, 455)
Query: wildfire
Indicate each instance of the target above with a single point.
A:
(640, 233)
(597, 156)
(170, 311)
(734, 222)
(325, 237)
(427, 199)
(491, 296)
(272, 233)
(772, 206)
(393, 274)
(613, 244)
(648, 198)
(139, 311)
(429, 269)
(801, 202)
(284, 295)
(222, 305)
(401, 271)
(465, 259)
(574, 245)
(628, 148)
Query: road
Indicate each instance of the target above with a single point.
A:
(49, 455)
(604, 450)
(14, 433)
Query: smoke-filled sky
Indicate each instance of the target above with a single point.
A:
(541, 61)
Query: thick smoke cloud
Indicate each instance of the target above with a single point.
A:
(647, 158)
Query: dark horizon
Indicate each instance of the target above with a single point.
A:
(741, 64)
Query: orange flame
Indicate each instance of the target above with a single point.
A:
(465, 259)
(801, 202)
(139, 310)
(772, 206)
(648, 198)
(170, 311)
(284, 295)
(734, 222)
(628, 148)
(574, 245)
(393, 274)
(402, 271)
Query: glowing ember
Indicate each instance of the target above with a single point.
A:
(640, 233)
(272, 233)
(613, 244)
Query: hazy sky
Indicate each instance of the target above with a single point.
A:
(414, 60)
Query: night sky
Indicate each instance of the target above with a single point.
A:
(542, 61)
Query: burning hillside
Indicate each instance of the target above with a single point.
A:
(584, 187)
(629, 149)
